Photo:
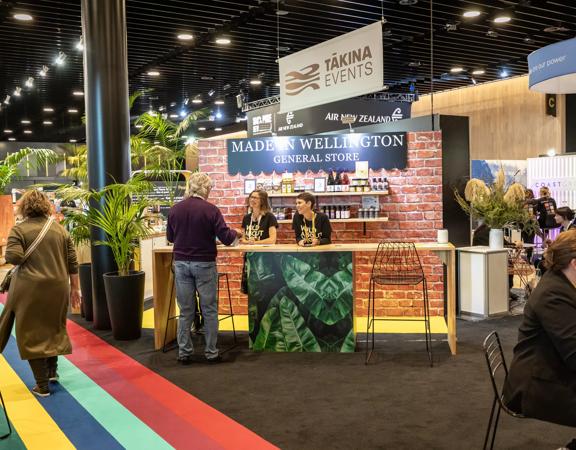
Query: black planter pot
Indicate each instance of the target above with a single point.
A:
(85, 272)
(125, 299)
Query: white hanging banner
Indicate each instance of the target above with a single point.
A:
(343, 67)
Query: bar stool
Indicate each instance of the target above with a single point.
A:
(221, 275)
(4, 436)
(397, 263)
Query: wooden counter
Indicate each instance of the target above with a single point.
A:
(163, 279)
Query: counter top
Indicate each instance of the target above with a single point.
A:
(294, 248)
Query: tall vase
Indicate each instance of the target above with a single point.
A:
(496, 238)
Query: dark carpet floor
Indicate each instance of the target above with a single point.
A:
(333, 401)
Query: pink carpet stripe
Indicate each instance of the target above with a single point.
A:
(178, 417)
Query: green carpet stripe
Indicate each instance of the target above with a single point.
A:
(124, 426)
(12, 442)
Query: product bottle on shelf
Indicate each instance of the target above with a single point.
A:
(338, 181)
(345, 182)
(385, 184)
(330, 183)
(338, 212)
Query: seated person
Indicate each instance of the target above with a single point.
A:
(259, 225)
(565, 218)
(541, 382)
(310, 227)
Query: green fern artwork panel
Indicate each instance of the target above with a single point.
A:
(301, 302)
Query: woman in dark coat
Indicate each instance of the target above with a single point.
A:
(40, 291)
(542, 378)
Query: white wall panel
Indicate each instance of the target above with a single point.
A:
(558, 173)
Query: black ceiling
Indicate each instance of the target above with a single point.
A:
(196, 68)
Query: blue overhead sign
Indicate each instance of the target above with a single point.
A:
(301, 153)
(552, 69)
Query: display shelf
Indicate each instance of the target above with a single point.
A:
(328, 194)
(353, 220)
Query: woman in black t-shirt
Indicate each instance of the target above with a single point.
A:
(310, 228)
(259, 225)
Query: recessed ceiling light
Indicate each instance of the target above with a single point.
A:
(474, 82)
(282, 48)
(502, 18)
(73, 141)
(219, 102)
(503, 73)
(7, 131)
(25, 121)
(139, 125)
(48, 109)
(407, 2)
(185, 37)
(72, 110)
(223, 41)
(197, 100)
(471, 13)
(11, 139)
(218, 129)
(78, 93)
(414, 64)
(556, 29)
(478, 72)
(47, 122)
(492, 33)
(206, 77)
(528, 40)
(174, 116)
(27, 131)
(282, 12)
(457, 69)
(201, 128)
(256, 82)
(153, 73)
(23, 17)
(277, 84)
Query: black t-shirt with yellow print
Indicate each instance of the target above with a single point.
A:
(258, 229)
(319, 228)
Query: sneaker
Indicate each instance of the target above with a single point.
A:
(185, 360)
(54, 377)
(215, 360)
(40, 392)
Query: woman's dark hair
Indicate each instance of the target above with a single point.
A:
(264, 201)
(529, 194)
(565, 212)
(307, 197)
(561, 251)
(34, 203)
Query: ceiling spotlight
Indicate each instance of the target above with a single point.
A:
(478, 72)
(185, 37)
(492, 33)
(173, 116)
(60, 59)
(471, 13)
(78, 93)
(201, 128)
(47, 122)
(7, 131)
(72, 110)
(474, 82)
(457, 69)
(153, 73)
(138, 125)
(25, 122)
(44, 71)
(183, 113)
(282, 12)
(503, 73)
(223, 41)
(27, 131)
(277, 84)
(211, 92)
(219, 102)
(282, 48)
(218, 115)
(11, 139)
(80, 44)
(73, 141)
(197, 100)
(218, 129)
(17, 92)
(528, 40)
(23, 17)
(256, 82)
(407, 2)
(7, 100)
(502, 17)
(29, 82)
(48, 110)
(451, 26)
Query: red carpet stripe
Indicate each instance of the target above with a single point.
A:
(180, 418)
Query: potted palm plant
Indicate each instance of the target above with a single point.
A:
(122, 217)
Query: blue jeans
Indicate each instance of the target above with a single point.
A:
(201, 277)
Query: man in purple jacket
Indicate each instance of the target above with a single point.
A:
(193, 226)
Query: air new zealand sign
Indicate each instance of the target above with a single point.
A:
(301, 153)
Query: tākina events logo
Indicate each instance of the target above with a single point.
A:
(299, 81)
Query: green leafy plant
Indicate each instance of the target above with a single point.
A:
(497, 205)
(122, 217)
(37, 157)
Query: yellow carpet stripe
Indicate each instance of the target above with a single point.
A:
(33, 424)
(437, 324)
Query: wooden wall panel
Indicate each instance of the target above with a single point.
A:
(6, 217)
(507, 120)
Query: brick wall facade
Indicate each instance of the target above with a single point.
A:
(414, 208)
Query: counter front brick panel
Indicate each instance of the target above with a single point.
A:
(414, 209)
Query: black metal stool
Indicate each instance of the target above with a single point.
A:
(4, 436)
(397, 263)
(228, 316)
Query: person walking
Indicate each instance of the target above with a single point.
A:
(193, 226)
(40, 290)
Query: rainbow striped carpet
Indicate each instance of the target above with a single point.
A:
(106, 400)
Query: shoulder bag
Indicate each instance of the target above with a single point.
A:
(5, 285)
